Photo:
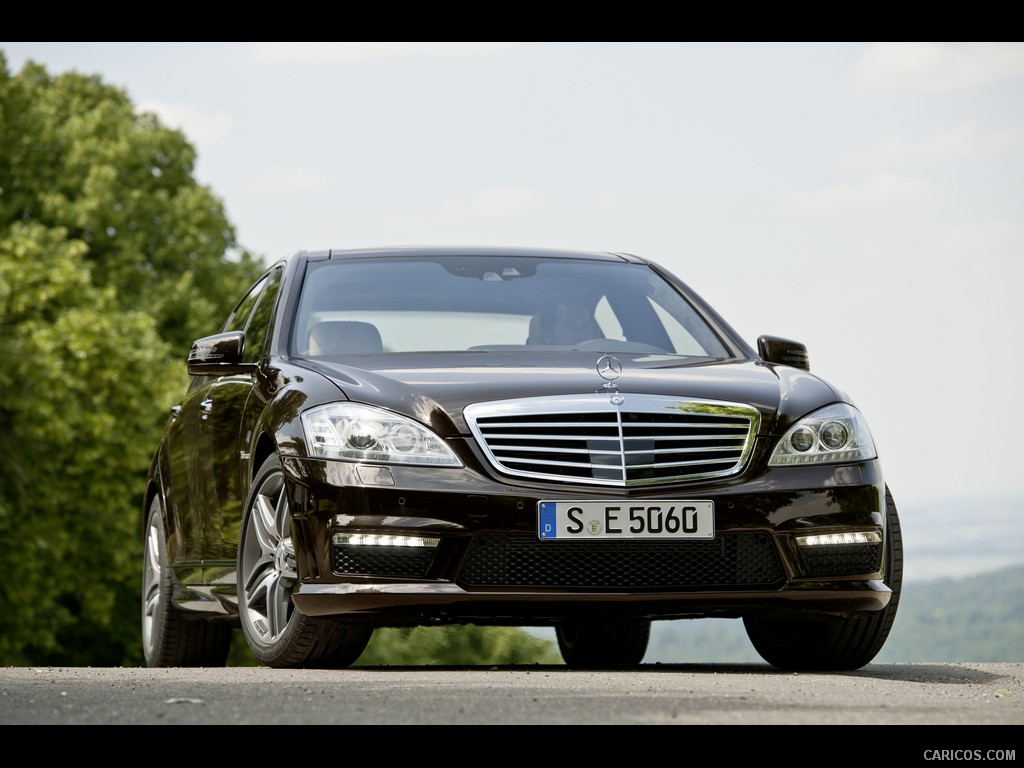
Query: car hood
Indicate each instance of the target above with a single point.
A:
(435, 388)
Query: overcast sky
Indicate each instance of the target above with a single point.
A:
(864, 198)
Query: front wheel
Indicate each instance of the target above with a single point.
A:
(831, 643)
(277, 634)
(603, 644)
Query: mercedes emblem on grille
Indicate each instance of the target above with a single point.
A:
(609, 369)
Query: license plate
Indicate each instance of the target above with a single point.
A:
(626, 520)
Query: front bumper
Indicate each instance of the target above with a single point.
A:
(489, 566)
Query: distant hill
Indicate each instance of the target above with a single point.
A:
(960, 537)
(977, 618)
(972, 618)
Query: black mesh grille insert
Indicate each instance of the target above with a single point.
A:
(407, 562)
(523, 560)
(838, 560)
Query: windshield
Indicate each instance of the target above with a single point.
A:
(382, 305)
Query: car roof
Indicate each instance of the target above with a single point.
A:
(477, 250)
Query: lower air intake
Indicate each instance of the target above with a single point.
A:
(400, 562)
(841, 560)
(742, 560)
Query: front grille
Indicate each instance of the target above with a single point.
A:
(401, 562)
(644, 440)
(841, 559)
(732, 560)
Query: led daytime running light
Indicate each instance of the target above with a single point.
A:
(833, 539)
(384, 540)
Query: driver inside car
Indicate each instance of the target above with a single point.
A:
(562, 322)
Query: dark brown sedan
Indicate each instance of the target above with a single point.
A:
(500, 436)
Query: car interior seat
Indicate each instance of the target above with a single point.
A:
(345, 337)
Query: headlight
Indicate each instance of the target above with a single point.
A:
(353, 432)
(829, 436)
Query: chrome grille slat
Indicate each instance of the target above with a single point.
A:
(703, 449)
(694, 463)
(550, 463)
(726, 440)
(646, 439)
(531, 449)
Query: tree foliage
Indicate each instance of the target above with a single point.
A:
(112, 259)
(75, 155)
(457, 645)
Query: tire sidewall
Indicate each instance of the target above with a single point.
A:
(273, 653)
(154, 651)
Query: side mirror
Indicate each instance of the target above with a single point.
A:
(219, 355)
(783, 351)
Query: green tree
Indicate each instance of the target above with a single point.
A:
(112, 259)
(81, 388)
(456, 646)
(75, 154)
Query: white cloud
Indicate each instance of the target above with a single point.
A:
(328, 53)
(930, 66)
(879, 191)
(973, 236)
(280, 179)
(496, 203)
(605, 201)
(490, 204)
(200, 127)
(961, 143)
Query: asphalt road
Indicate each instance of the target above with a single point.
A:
(879, 694)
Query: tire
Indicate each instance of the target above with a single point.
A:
(171, 638)
(829, 643)
(603, 645)
(276, 633)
